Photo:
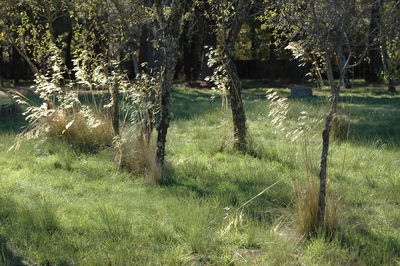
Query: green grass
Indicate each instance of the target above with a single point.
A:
(62, 206)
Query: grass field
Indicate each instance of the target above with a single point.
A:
(60, 206)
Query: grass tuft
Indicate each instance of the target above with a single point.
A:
(138, 155)
(87, 133)
(306, 198)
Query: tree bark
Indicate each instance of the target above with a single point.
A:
(115, 108)
(346, 79)
(325, 142)
(1, 67)
(238, 112)
(386, 66)
(146, 55)
(165, 102)
(172, 28)
(375, 64)
(209, 40)
(68, 54)
(385, 55)
(235, 86)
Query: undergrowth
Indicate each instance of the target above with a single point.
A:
(63, 206)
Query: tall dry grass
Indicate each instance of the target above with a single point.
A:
(137, 154)
(306, 201)
(83, 129)
(306, 196)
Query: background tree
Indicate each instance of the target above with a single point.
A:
(388, 31)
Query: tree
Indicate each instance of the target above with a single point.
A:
(388, 32)
(333, 29)
(169, 16)
(375, 60)
(108, 27)
(230, 17)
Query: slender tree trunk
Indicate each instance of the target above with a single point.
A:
(68, 54)
(209, 40)
(325, 143)
(1, 67)
(346, 79)
(24, 55)
(135, 65)
(375, 64)
(146, 55)
(324, 158)
(115, 108)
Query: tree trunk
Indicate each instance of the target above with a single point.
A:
(146, 55)
(135, 65)
(22, 52)
(238, 112)
(346, 79)
(165, 116)
(386, 66)
(391, 86)
(375, 64)
(385, 55)
(235, 86)
(68, 54)
(170, 37)
(325, 143)
(115, 108)
(1, 67)
(209, 40)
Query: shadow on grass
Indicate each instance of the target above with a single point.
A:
(379, 249)
(31, 227)
(7, 257)
(231, 189)
(13, 124)
(372, 119)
